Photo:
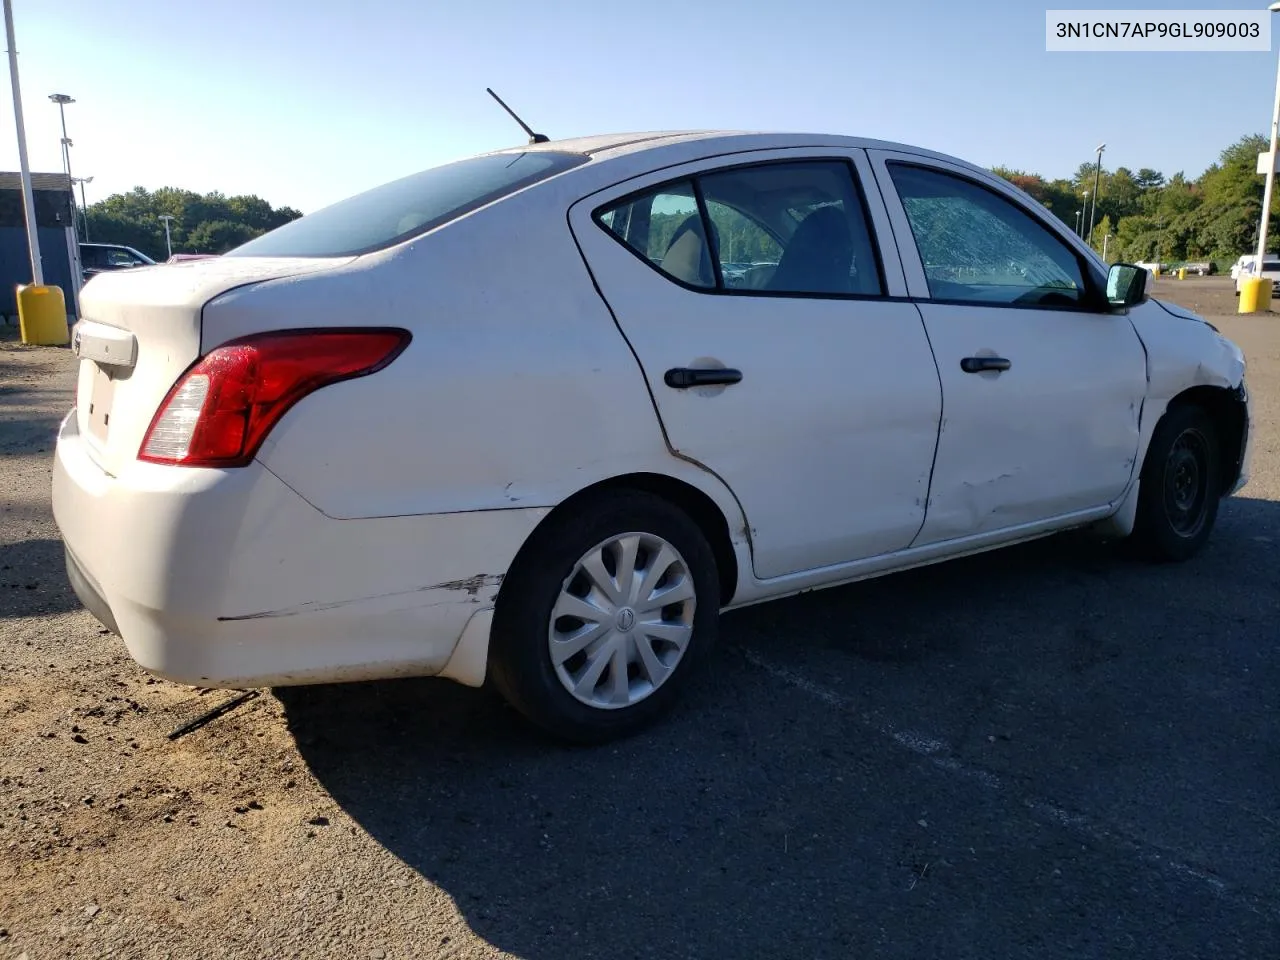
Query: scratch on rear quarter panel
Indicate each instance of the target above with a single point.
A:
(470, 585)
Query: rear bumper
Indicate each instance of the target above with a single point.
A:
(229, 578)
(89, 593)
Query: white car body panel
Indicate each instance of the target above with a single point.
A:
(1056, 434)
(228, 578)
(822, 483)
(370, 536)
(467, 435)
(155, 312)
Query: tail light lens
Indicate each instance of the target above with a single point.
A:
(223, 407)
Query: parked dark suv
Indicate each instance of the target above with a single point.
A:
(97, 257)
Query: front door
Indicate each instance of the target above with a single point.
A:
(1042, 383)
(756, 299)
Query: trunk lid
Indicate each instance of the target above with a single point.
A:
(139, 330)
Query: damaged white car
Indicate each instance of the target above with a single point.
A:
(538, 416)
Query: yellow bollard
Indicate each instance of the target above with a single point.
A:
(42, 315)
(1255, 295)
(1182, 273)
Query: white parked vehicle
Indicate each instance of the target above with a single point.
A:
(506, 419)
(1247, 267)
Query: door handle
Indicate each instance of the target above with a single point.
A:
(683, 377)
(984, 364)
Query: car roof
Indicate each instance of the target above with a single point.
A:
(690, 144)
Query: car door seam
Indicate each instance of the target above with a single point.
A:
(653, 400)
(942, 413)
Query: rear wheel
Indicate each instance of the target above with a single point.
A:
(1181, 486)
(605, 616)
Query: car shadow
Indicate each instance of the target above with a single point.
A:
(753, 823)
(33, 580)
(28, 422)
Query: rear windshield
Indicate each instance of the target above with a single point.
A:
(407, 207)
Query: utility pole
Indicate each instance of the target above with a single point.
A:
(28, 201)
(166, 217)
(1097, 175)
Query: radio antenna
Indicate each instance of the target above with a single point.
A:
(533, 137)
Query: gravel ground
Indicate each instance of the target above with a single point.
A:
(1049, 751)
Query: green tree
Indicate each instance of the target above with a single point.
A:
(1148, 179)
(1103, 228)
(203, 223)
(219, 236)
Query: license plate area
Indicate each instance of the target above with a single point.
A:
(101, 396)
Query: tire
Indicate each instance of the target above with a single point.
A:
(554, 572)
(1181, 484)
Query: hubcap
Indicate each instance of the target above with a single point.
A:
(622, 620)
(1185, 473)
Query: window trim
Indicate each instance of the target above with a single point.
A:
(1094, 299)
(694, 178)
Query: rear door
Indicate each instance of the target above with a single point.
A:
(757, 299)
(1042, 383)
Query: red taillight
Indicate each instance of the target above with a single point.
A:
(220, 410)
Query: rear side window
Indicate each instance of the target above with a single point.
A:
(783, 229)
(792, 228)
(404, 208)
(665, 228)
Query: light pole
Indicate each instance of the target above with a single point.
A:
(1079, 213)
(84, 207)
(61, 99)
(1097, 174)
(166, 217)
(1271, 167)
(28, 202)
(1082, 213)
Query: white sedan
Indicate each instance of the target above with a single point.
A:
(512, 418)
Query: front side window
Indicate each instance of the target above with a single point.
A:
(978, 247)
(404, 208)
(778, 228)
(121, 258)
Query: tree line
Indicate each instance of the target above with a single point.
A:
(1149, 217)
(202, 223)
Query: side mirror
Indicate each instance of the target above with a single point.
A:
(1129, 285)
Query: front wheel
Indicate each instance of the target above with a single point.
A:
(1181, 486)
(607, 613)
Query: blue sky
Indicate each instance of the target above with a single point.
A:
(304, 102)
